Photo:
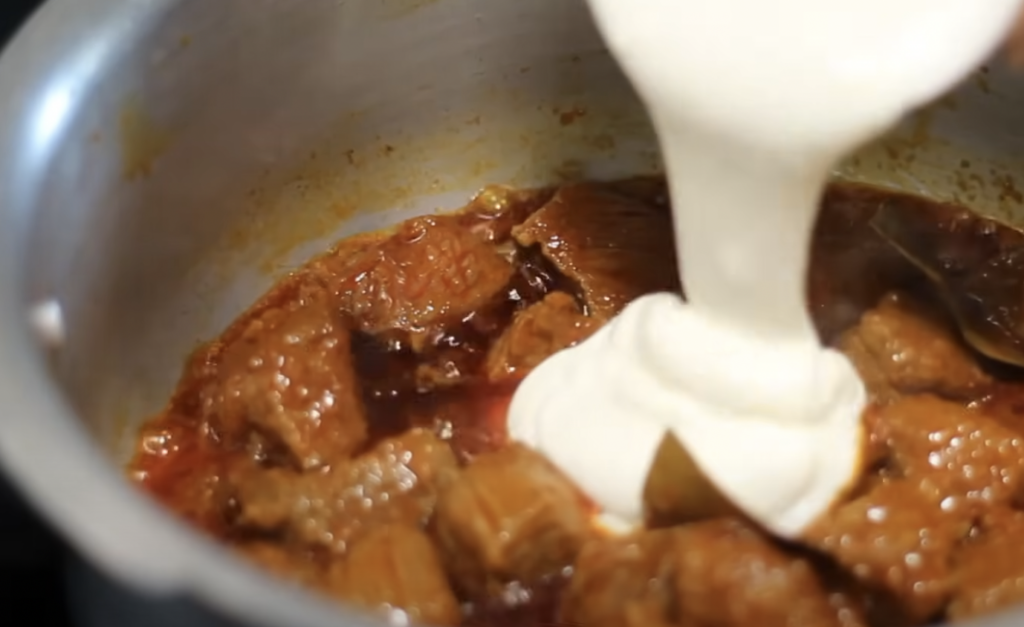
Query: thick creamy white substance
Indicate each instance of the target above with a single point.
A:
(754, 102)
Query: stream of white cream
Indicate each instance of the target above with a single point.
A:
(754, 102)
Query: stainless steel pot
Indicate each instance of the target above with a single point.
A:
(161, 161)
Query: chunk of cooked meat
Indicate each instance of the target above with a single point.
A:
(716, 574)
(396, 567)
(536, 333)
(894, 539)
(289, 378)
(1005, 405)
(509, 517)
(614, 247)
(431, 272)
(959, 459)
(397, 481)
(876, 452)
(724, 574)
(900, 347)
(616, 581)
(990, 568)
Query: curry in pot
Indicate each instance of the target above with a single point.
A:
(347, 432)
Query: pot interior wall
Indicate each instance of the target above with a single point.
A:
(216, 145)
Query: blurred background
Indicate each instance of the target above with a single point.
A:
(32, 560)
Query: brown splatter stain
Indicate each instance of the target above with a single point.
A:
(967, 182)
(142, 142)
(565, 118)
(1007, 188)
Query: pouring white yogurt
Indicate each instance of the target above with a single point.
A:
(754, 101)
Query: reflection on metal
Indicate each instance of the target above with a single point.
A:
(47, 321)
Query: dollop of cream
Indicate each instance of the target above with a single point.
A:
(775, 424)
(754, 103)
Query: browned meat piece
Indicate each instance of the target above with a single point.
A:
(518, 606)
(958, 459)
(876, 438)
(856, 606)
(396, 481)
(900, 347)
(724, 574)
(289, 377)
(878, 387)
(396, 567)
(616, 581)
(894, 539)
(1004, 405)
(536, 333)
(615, 247)
(990, 568)
(510, 516)
(432, 271)
(713, 574)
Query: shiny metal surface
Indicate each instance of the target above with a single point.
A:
(162, 161)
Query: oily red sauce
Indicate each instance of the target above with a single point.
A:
(183, 462)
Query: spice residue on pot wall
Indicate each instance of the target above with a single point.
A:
(142, 141)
